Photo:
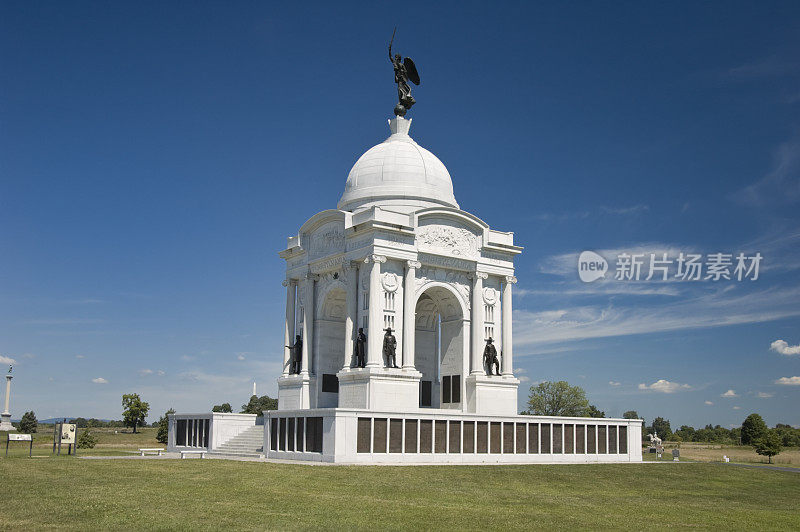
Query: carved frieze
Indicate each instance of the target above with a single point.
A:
(447, 240)
(326, 240)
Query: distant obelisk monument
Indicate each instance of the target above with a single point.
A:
(5, 417)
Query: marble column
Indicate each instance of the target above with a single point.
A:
(375, 338)
(409, 314)
(351, 313)
(507, 362)
(288, 330)
(5, 417)
(476, 322)
(308, 322)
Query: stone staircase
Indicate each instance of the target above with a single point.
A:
(248, 443)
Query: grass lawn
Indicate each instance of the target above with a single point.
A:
(67, 492)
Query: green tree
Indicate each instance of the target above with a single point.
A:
(86, 440)
(162, 435)
(753, 428)
(593, 411)
(257, 405)
(631, 414)
(768, 445)
(135, 410)
(557, 399)
(80, 422)
(661, 427)
(224, 407)
(28, 423)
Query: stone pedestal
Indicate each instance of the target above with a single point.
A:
(295, 392)
(387, 389)
(492, 395)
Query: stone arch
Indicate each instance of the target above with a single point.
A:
(441, 328)
(329, 340)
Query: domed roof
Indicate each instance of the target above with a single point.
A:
(398, 172)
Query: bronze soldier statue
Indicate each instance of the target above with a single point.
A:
(404, 71)
(296, 352)
(361, 348)
(490, 357)
(389, 348)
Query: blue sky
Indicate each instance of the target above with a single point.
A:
(155, 156)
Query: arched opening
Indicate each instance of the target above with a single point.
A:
(439, 348)
(329, 340)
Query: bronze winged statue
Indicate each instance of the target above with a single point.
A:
(404, 71)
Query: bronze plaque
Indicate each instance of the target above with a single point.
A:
(545, 443)
(580, 439)
(533, 438)
(469, 436)
(440, 428)
(292, 433)
(411, 435)
(314, 435)
(396, 436)
(379, 435)
(494, 437)
(455, 437)
(623, 440)
(282, 441)
(300, 433)
(508, 438)
(483, 437)
(426, 436)
(558, 429)
(601, 439)
(569, 439)
(273, 434)
(364, 435)
(612, 439)
(591, 444)
(521, 438)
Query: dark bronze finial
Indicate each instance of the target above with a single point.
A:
(404, 71)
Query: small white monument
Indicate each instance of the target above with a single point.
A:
(5, 417)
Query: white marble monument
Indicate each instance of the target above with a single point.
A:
(398, 253)
(5, 417)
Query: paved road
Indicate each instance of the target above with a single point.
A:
(776, 468)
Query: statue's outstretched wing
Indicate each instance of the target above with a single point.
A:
(411, 70)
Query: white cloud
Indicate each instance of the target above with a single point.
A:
(789, 381)
(240, 357)
(783, 347)
(709, 403)
(160, 373)
(737, 407)
(144, 372)
(7, 360)
(781, 183)
(614, 383)
(99, 380)
(664, 386)
(729, 393)
(519, 371)
(523, 378)
(187, 358)
(28, 355)
(764, 395)
(79, 356)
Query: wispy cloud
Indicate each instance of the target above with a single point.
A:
(783, 347)
(789, 381)
(79, 356)
(709, 403)
(737, 407)
(7, 360)
(99, 380)
(781, 184)
(768, 67)
(626, 211)
(664, 386)
(614, 383)
(145, 372)
(729, 393)
(764, 395)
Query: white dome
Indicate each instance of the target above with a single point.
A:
(398, 172)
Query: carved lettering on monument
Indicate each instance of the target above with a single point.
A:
(446, 262)
(327, 264)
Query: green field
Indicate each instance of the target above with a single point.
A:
(68, 492)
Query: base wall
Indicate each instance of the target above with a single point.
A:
(355, 436)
